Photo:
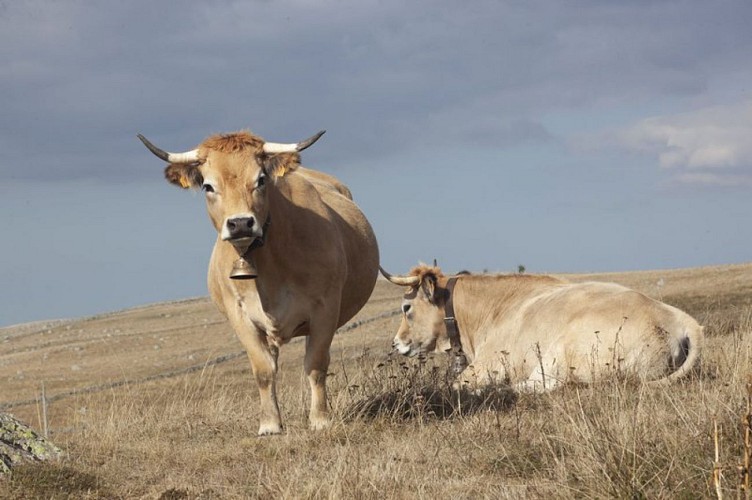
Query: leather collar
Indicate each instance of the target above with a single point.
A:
(459, 360)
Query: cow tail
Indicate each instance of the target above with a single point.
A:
(695, 336)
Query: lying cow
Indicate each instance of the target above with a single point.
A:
(294, 256)
(538, 331)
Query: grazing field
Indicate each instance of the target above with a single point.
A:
(158, 402)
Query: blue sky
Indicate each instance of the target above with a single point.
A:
(564, 136)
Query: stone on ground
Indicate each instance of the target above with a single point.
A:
(19, 443)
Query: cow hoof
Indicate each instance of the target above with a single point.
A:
(269, 430)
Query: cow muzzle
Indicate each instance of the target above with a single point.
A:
(406, 349)
(240, 228)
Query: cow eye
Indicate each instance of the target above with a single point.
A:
(208, 188)
(261, 180)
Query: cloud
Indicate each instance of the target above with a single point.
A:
(384, 77)
(708, 146)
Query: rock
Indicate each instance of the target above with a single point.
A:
(19, 443)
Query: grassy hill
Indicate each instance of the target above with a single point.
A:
(158, 402)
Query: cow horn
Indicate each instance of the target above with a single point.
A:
(187, 157)
(400, 280)
(275, 147)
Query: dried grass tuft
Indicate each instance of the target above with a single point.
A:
(422, 388)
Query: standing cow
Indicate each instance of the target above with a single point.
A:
(304, 256)
(538, 331)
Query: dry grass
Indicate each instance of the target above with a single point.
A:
(398, 432)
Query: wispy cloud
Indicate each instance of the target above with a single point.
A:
(710, 145)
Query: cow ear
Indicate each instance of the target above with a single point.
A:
(184, 175)
(428, 287)
(279, 164)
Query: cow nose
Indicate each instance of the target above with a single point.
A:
(240, 227)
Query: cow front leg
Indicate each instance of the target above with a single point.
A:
(316, 367)
(263, 358)
(264, 366)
